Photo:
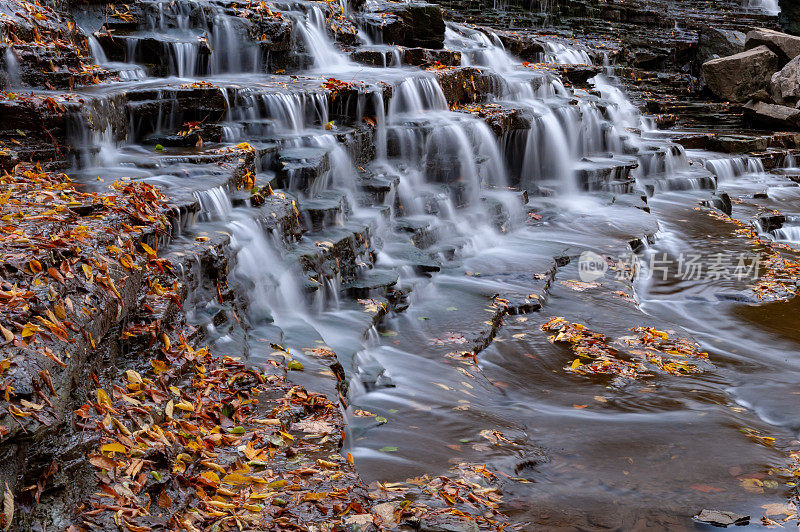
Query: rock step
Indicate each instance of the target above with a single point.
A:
(376, 185)
(740, 143)
(694, 178)
(385, 55)
(334, 253)
(600, 173)
(302, 169)
(326, 209)
(371, 283)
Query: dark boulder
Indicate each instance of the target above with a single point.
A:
(736, 78)
(715, 42)
(426, 57)
(416, 24)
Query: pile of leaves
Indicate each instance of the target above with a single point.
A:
(67, 256)
(643, 354)
(198, 442)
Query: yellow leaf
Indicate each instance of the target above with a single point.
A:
(103, 398)
(236, 478)
(159, 366)
(17, 412)
(183, 405)
(210, 476)
(150, 251)
(219, 504)
(133, 377)
(9, 336)
(114, 447)
(575, 363)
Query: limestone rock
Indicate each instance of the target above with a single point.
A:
(785, 83)
(717, 42)
(786, 46)
(773, 115)
(737, 77)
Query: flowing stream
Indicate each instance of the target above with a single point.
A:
(435, 216)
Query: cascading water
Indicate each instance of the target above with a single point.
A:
(564, 54)
(732, 167)
(769, 7)
(313, 30)
(12, 78)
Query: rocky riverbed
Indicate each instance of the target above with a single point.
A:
(378, 265)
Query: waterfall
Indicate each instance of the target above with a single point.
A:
(548, 154)
(184, 58)
(729, 168)
(477, 48)
(786, 233)
(313, 30)
(562, 54)
(417, 95)
(97, 52)
(230, 51)
(769, 7)
(12, 68)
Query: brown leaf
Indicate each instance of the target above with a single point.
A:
(55, 274)
(102, 462)
(164, 501)
(8, 507)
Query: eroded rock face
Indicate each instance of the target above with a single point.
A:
(785, 83)
(786, 46)
(716, 42)
(736, 78)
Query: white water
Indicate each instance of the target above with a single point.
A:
(313, 29)
(563, 54)
(12, 68)
(769, 7)
(729, 168)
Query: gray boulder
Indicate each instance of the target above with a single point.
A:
(786, 46)
(736, 78)
(716, 42)
(773, 116)
(785, 83)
